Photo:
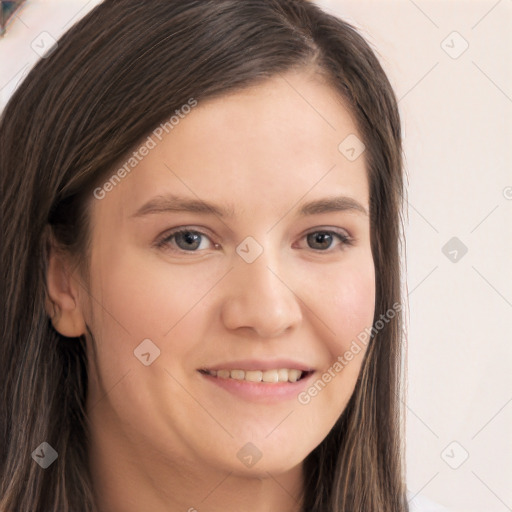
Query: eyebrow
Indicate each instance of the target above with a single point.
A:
(173, 203)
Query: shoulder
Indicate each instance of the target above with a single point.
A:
(421, 504)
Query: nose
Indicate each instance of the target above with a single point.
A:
(259, 299)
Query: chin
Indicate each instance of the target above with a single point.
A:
(257, 460)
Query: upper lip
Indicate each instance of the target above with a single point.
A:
(260, 364)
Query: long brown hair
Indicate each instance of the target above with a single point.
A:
(114, 76)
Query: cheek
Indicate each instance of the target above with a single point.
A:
(353, 305)
(346, 302)
(346, 306)
(139, 298)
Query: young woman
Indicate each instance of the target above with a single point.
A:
(201, 244)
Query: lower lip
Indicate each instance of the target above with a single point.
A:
(261, 391)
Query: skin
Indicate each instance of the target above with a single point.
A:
(163, 438)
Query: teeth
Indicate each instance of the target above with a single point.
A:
(253, 376)
(281, 375)
(294, 375)
(270, 376)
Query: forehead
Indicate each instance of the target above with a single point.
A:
(270, 143)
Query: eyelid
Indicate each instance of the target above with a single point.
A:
(329, 229)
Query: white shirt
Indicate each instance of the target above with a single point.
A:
(421, 504)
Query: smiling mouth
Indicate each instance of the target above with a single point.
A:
(266, 376)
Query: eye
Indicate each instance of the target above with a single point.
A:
(187, 240)
(191, 240)
(325, 239)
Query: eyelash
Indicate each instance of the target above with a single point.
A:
(167, 239)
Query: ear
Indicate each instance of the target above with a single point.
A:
(62, 302)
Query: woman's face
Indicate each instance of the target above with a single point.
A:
(261, 279)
